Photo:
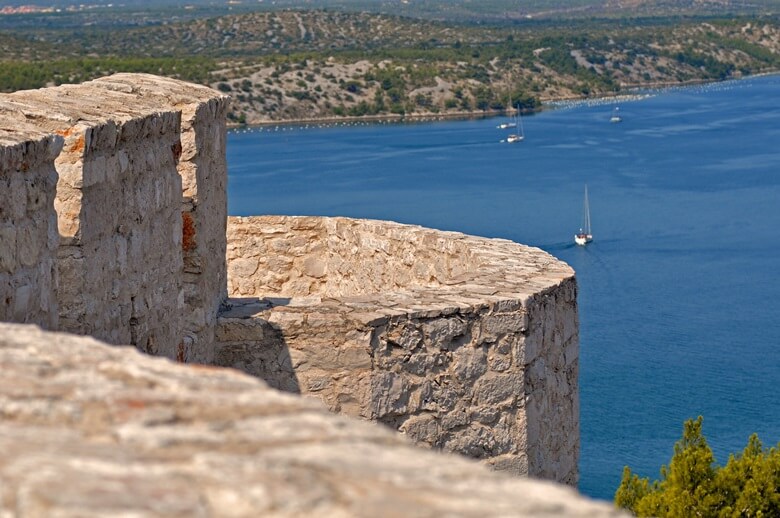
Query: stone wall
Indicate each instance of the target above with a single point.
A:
(462, 343)
(110, 432)
(203, 169)
(142, 253)
(315, 256)
(118, 205)
(28, 224)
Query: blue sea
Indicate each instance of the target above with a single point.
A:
(680, 290)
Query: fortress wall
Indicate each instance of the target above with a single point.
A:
(28, 224)
(464, 344)
(492, 380)
(203, 168)
(119, 214)
(550, 359)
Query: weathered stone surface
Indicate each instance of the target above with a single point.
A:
(454, 340)
(118, 204)
(92, 430)
(28, 224)
(135, 268)
(203, 169)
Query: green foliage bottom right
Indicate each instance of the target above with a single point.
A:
(693, 485)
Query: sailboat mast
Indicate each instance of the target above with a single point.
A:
(520, 121)
(586, 214)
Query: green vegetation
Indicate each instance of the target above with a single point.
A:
(693, 486)
(17, 75)
(285, 64)
(468, 11)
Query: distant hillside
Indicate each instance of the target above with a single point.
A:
(508, 11)
(525, 66)
(470, 11)
(285, 65)
(263, 33)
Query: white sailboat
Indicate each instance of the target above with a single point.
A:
(616, 116)
(584, 236)
(520, 136)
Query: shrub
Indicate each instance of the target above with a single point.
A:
(692, 485)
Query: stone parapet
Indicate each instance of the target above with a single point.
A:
(119, 217)
(203, 169)
(462, 343)
(142, 252)
(91, 430)
(28, 224)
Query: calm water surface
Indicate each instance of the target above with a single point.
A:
(679, 292)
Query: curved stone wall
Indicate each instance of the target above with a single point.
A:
(294, 257)
(462, 343)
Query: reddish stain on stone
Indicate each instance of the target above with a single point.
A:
(180, 352)
(78, 146)
(66, 132)
(134, 403)
(188, 232)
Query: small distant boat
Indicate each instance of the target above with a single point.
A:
(584, 236)
(616, 116)
(520, 136)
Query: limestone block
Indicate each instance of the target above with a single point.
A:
(31, 241)
(22, 298)
(17, 205)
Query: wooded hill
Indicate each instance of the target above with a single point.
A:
(285, 65)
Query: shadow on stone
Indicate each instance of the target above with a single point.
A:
(255, 345)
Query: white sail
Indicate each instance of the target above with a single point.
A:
(586, 213)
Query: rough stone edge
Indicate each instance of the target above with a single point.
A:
(423, 482)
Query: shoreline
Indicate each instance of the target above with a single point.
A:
(393, 118)
(632, 92)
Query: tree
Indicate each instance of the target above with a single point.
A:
(693, 486)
